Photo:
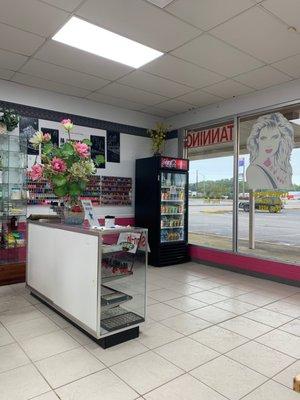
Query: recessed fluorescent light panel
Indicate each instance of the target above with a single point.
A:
(93, 39)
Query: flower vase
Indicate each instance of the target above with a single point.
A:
(73, 212)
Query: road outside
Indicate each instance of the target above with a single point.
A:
(210, 224)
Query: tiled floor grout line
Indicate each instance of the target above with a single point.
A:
(187, 373)
(143, 394)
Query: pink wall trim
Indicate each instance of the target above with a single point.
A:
(247, 263)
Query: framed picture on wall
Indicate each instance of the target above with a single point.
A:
(113, 146)
(98, 148)
(27, 128)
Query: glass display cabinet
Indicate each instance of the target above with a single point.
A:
(13, 167)
(96, 278)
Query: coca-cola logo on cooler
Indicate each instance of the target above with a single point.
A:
(174, 163)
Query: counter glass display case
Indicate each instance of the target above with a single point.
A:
(13, 166)
(96, 278)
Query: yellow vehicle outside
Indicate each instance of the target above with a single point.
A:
(271, 204)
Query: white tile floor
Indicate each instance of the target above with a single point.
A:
(210, 335)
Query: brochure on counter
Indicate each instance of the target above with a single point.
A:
(90, 214)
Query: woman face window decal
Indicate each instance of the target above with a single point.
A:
(270, 144)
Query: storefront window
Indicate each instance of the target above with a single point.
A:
(210, 151)
(269, 186)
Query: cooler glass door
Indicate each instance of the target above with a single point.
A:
(172, 207)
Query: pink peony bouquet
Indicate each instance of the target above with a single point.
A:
(67, 168)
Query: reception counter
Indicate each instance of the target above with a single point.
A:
(94, 278)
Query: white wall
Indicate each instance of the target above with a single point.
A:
(16, 93)
(171, 148)
(267, 98)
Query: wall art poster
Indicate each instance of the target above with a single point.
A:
(27, 128)
(113, 146)
(98, 148)
(270, 145)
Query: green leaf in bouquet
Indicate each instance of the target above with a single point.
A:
(87, 142)
(82, 185)
(60, 191)
(47, 148)
(74, 189)
(69, 162)
(59, 180)
(100, 159)
(56, 152)
(67, 150)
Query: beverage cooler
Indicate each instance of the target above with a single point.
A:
(161, 205)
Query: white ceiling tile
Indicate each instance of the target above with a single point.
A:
(18, 41)
(287, 10)
(182, 72)
(262, 78)
(258, 33)
(200, 98)
(217, 56)
(154, 84)
(290, 66)
(6, 73)
(228, 88)
(175, 106)
(63, 75)
(81, 61)
(140, 21)
(131, 94)
(32, 16)
(68, 5)
(49, 85)
(159, 112)
(101, 98)
(206, 14)
(10, 60)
